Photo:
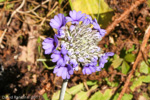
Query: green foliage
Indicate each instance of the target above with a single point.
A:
(2, 0)
(144, 68)
(131, 49)
(125, 67)
(39, 46)
(82, 95)
(102, 96)
(90, 6)
(148, 3)
(138, 81)
(117, 62)
(60, 2)
(125, 96)
(91, 83)
(112, 84)
(9, 6)
(45, 96)
(129, 57)
(75, 89)
(56, 96)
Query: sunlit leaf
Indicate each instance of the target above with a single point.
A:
(135, 84)
(131, 49)
(146, 79)
(144, 67)
(56, 96)
(130, 57)
(73, 90)
(125, 67)
(2, 0)
(96, 96)
(90, 83)
(127, 97)
(90, 6)
(93, 87)
(102, 96)
(81, 95)
(117, 62)
(45, 96)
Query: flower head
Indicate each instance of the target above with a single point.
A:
(77, 46)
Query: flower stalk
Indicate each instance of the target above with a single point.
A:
(63, 89)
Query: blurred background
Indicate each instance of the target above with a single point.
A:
(25, 72)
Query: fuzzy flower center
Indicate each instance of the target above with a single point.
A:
(81, 42)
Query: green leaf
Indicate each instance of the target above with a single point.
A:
(112, 84)
(127, 97)
(81, 95)
(102, 96)
(117, 62)
(2, 0)
(73, 90)
(116, 96)
(148, 3)
(90, 6)
(146, 79)
(144, 67)
(125, 67)
(9, 6)
(97, 96)
(90, 83)
(56, 96)
(131, 49)
(45, 96)
(93, 87)
(107, 94)
(130, 57)
(135, 84)
(60, 2)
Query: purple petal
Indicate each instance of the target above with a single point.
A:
(48, 51)
(55, 57)
(64, 74)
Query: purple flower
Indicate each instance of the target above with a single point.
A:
(87, 20)
(75, 17)
(104, 60)
(60, 57)
(88, 69)
(58, 21)
(50, 45)
(74, 64)
(97, 27)
(63, 71)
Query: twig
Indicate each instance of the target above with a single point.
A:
(123, 16)
(8, 23)
(63, 89)
(86, 86)
(23, 12)
(145, 39)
